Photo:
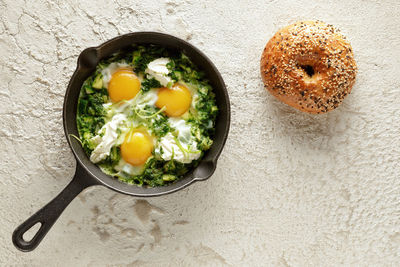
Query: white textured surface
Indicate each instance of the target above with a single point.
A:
(290, 189)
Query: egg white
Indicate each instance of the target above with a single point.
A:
(148, 98)
(124, 166)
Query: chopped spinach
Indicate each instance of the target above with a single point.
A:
(147, 84)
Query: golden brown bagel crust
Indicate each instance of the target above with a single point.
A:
(297, 48)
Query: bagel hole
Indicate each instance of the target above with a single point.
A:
(308, 69)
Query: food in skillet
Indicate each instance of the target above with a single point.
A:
(146, 116)
(310, 66)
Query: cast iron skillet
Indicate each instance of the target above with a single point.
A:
(87, 174)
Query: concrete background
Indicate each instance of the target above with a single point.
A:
(290, 189)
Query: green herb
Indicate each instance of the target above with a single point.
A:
(147, 84)
(169, 177)
(160, 126)
(98, 82)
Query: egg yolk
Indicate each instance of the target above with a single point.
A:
(176, 100)
(124, 85)
(136, 148)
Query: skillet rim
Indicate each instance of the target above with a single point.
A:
(114, 183)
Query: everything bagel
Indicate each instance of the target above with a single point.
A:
(309, 65)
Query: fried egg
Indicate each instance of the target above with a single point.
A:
(121, 82)
(108, 71)
(175, 100)
(124, 85)
(137, 147)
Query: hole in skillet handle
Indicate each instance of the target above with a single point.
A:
(204, 170)
(88, 58)
(30, 234)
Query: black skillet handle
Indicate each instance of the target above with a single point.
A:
(49, 214)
